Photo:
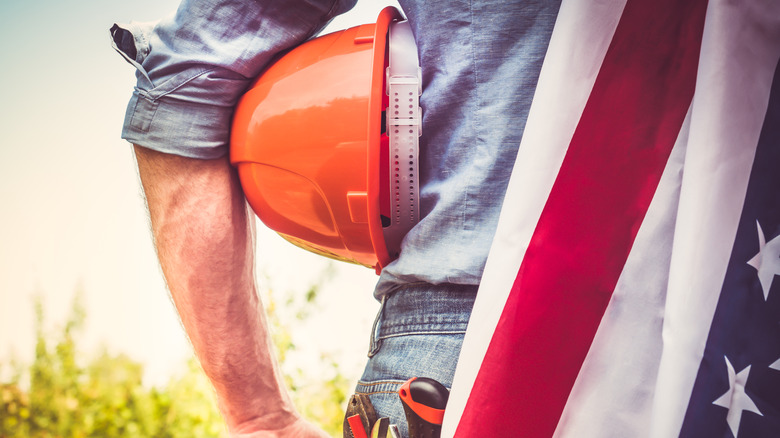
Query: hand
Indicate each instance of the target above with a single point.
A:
(300, 428)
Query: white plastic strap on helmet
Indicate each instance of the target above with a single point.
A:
(404, 126)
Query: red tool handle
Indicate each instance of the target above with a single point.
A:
(356, 426)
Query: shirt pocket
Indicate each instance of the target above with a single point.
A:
(132, 42)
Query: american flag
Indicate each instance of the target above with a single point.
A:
(632, 286)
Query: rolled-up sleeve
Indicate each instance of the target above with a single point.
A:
(192, 68)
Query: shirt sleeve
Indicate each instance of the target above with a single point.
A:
(192, 68)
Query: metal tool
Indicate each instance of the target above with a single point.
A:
(381, 428)
(424, 401)
(360, 417)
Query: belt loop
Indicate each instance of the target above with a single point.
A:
(376, 343)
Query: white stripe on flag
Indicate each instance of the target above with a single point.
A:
(739, 53)
(580, 38)
(630, 334)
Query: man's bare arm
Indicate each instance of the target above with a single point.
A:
(204, 237)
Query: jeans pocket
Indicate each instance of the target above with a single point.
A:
(375, 343)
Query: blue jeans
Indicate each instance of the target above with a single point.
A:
(418, 333)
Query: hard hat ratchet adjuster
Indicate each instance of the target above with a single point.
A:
(404, 117)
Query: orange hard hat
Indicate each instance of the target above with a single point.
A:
(322, 159)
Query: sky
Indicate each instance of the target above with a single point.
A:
(73, 216)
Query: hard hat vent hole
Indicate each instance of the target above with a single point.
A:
(405, 119)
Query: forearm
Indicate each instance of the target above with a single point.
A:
(205, 242)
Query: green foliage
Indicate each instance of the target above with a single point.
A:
(59, 396)
(102, 398)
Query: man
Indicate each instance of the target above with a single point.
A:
(480, 64)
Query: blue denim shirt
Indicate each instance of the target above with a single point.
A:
(480, 61)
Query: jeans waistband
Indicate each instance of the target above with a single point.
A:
(422, 308)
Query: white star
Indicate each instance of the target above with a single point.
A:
(775, 365)
(767, 261)
(735, 399)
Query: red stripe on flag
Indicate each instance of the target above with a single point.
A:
(585, 232)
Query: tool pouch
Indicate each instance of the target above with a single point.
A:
(359, 408)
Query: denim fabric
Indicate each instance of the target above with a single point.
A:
(193, 67)
(480, 61)
(418, 333)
